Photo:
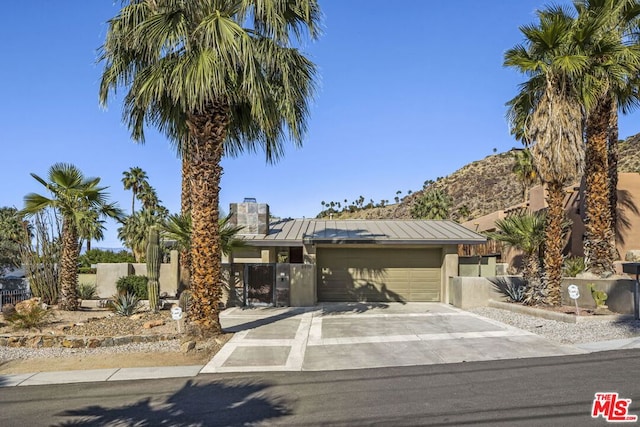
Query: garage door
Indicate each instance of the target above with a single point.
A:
(352, 274)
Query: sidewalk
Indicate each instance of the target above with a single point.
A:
(345, 336)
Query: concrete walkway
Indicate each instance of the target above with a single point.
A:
(345, 336)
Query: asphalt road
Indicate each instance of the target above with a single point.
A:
(556, 391)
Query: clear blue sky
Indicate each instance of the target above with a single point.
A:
(409, 91)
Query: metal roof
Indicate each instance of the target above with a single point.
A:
(296, 232)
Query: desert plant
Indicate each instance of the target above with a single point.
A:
(87, 291)
(513, 290)
(34, 316)
(599, 297)
(573, 266)
(153, 268)
(136, 285)
(125, 304)
(184, 300)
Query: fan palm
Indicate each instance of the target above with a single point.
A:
(134, 179)
(525, 232)
(607, 35)
(178, 229)
(547, 116)
(223, 77)
(77, 199)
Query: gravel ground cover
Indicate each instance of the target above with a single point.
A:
(562, 332)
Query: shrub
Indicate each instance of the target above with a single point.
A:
(125, 304)
(573, 266)
(86, 270)
(87, 291)
(34, 316)
(95, 256)
(136, 285)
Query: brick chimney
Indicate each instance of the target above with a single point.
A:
(253, 216)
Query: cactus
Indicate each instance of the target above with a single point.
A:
(153, 268)
(598, 296)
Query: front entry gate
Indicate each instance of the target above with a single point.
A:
(259, 284)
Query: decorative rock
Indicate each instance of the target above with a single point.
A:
(187, 346)
(137, 316)
(73, 343)
(153, 323)
(632, 255)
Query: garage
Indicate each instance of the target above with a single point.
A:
(379, 274)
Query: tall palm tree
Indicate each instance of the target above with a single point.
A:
(525, 232)
(134, 179)
(606, 33)
(548, 117)
(225, 76)
(75, 198)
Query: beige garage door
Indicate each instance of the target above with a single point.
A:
(352, 274)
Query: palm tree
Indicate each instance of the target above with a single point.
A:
(75, 198)
(12, 236)
(178, 229)
(134, 179)
(525, 232)
(607, 34)
(434, 204)
(222, 76)
(548, 116)
(134, 231)
(525, 170)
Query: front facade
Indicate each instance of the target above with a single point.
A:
(351, 260)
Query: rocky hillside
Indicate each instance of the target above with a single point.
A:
(482, 187)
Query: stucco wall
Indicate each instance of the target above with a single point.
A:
(469, 292)
(302, 285)
(108, 274)
(619, 291)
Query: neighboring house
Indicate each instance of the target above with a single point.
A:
(628, 229)
(309, 261)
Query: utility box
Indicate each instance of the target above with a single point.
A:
(283, 285)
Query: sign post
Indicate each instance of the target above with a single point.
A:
(176, 314)
(574, 294)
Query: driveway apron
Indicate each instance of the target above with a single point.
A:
(333, 336)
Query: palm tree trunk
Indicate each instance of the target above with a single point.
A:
(598, 250)
(613, 174)
(553, 242)
(208, 130)
(68, 299)
(185, 254)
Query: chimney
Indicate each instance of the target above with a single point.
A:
(253, 216)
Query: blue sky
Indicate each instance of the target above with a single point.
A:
(408, 91)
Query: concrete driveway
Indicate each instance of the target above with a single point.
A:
(334, 336)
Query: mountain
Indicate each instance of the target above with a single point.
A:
(479, 188)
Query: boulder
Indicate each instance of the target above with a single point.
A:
(153, 323)
(633, 255)
(27, 306)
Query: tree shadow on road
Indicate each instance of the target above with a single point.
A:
(206, 404)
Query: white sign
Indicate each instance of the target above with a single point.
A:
(574, 292)
(176, 313)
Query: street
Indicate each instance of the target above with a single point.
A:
(531, 392)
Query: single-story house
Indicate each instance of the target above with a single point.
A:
(347, 260)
